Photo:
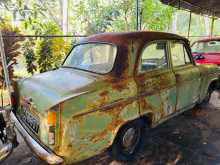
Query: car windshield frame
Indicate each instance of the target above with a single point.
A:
(91, 42)
(203, 51)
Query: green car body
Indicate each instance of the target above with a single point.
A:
(90, 108)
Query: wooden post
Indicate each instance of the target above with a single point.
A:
(4, 66)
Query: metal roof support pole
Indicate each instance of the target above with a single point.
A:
(212, 26)
(140, 13)
(189, 27)
(4, 66)
(138, 18)
(137, 15)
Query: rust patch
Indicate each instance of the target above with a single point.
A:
(165, 81)
(123, 37)
(118, 84)
(121, 63)
(104, 93)
(117, 121)
(145, 105)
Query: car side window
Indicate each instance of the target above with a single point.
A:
(179, 54)
(154, 57)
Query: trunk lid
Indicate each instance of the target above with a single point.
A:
(48, 89)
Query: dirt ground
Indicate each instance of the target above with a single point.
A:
(188, 139)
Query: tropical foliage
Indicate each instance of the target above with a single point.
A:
(11, 48)
(160, 20)
(50, 51)
(29, 54)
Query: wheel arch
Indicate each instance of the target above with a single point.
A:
(147, 120)
(214, 84)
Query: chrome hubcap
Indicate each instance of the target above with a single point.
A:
(129, 138)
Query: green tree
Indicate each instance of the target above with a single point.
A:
(50, 51)
(44, 58)
(156, 16)
(126, 17)
(93, 16)
(29, 54)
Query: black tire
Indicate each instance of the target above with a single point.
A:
(206, 100)
(121, 151)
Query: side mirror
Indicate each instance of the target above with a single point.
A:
(198, 57)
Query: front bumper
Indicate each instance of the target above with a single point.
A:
(6, 147)
(42, 153)
(6, 150)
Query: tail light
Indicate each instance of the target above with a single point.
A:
(14, 96)
(51, 121)
(13, 101)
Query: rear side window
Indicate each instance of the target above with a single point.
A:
(179, 54)
(154, 56)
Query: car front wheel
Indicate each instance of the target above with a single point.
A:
(127, 141)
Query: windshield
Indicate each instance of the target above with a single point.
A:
(95, 57)
(206, 47)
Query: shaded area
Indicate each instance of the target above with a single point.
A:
(191, 138)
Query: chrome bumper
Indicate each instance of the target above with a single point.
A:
(6, 150)
(43, 154)
(11, 140)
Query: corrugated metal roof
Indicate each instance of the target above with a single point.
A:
(205, 7)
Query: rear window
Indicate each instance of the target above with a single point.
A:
(95, 57)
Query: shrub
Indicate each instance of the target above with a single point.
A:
(29, 55)
(50, 51)
(11, 47)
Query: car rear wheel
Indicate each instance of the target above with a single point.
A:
(207, 97)
(127, 142)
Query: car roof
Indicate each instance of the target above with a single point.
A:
(209, 39)
(124, 37)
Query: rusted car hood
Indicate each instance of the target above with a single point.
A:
(48, 89)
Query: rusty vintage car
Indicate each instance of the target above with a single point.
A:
(108, 89)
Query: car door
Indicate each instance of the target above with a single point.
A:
(156, 81)
(187, 75)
